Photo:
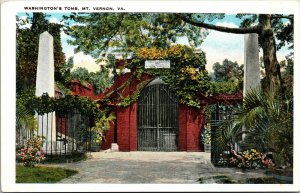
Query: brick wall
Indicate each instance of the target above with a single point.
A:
(182, 140)
(123, 128)
(190, 124)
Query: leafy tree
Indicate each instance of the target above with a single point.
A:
(288, 72)
(81, 74)
(267, 26)
(101, 79)
(228, 71)
(125, 32)
(27, 48)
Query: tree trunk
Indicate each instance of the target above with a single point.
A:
(267, 41)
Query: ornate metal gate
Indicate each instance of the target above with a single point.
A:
(157, 119)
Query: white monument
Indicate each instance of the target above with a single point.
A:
(45, 84)
(251, 68)
(251, 61)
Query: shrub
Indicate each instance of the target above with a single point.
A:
(32, 152)
(251, 159)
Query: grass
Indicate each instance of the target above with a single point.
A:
(41, 174)
(74, 157)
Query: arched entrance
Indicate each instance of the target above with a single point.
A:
(157, 117)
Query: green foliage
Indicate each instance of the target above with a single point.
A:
(268, 120)
(282, 25)
(62, 106)
(63, 88)
(42, 174)
(24, 115)
(75, 156)
(228, 77)
(102, 125)
(288, 72)
(126, 32)
(133, 97)
(187, 76)
(81, 74)
(27, 49)
(32, 152)
(228, 71)
(226, 87)
(101, 79)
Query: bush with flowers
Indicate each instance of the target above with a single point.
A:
(251, 159)
(32, 152)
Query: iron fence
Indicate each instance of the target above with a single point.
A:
(220, 113)
(62, 134)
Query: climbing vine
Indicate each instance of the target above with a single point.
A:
(187, 76)
(62, 106)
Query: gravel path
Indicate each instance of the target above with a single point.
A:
(148, 167)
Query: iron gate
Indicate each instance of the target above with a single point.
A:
(157, 119)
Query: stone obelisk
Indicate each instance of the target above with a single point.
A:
(251, 61)
(45, 84)
(251, 68)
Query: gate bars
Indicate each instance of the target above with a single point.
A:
(157, 119)
(220, 113)
(64, 134)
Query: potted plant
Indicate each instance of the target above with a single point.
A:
(206, 138)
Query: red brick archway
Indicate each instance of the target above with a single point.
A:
(123, 130)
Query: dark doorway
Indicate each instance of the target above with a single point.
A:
(157, 119)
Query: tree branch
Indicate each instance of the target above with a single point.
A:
(254, 29)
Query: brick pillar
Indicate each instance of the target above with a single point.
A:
(133, 127)
(193, 129)
(182, 141)
(123, 128)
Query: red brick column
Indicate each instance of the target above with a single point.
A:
(133, 127)
(182, 128)
(192, 129)
(123, 128)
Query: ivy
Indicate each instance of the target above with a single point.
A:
(135, 95)
(187, 76)
(227, 87)
(62, 106)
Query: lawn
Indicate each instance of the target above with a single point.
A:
(41, 174)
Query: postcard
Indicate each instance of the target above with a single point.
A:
(149, 96)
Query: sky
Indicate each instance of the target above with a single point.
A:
(217, 45)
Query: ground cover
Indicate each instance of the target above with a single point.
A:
(42, 174)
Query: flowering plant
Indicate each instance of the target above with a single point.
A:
(32, 152)
(252, 159)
